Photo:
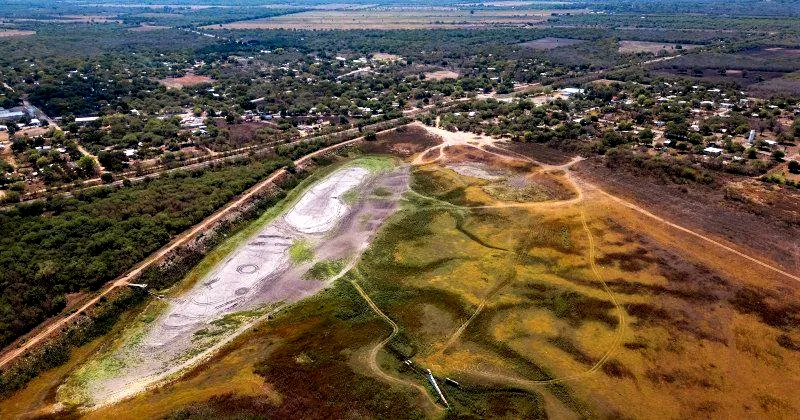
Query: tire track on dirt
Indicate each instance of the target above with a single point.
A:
(373, 354)
(604, 358)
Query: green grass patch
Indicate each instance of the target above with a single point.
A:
(374, 163)
(301, 251)
(350, 196)
(74, 393)
(325, 269)
(381, 192)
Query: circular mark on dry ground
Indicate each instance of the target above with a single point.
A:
(247, 268)
(241, 291)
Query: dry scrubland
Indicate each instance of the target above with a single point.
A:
(394, 18)
(540, 294)
(632, 47)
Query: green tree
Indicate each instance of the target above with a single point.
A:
(87, 165)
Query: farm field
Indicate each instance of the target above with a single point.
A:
(594, 305)
(394, 18)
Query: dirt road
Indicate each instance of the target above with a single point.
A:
(373, 354)
(480, 142)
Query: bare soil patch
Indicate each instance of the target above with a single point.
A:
(8, 33)
(148, 28)
(550, 42)
(441, 75)
(185, 81)
(633, 47)
(385, 57)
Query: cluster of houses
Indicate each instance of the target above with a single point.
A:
(21, 116)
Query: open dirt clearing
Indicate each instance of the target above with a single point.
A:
(185, 81)
(549, 43)
(441, 75)
(331, 223)
(8, 33)
(633, 47)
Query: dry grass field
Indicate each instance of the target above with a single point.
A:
(549, 43)
(185, 81)
(148, 28)
(633, 47)
(441, 75)
(394, 18)
(8, 33)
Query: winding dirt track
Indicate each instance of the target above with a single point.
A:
(579, 186)
(373, 353)
(161, 253)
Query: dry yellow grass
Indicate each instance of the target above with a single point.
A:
(632, 47)
(393, 18)
(8, 33)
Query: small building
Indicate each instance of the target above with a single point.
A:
(3, 128)
(571, 91)
(12, 114)
(713, 151)
(85, 120)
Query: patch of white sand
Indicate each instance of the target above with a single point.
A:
(263, 257)
(321, 207)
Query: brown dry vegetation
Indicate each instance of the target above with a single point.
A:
(757, 219)
(441, 75)
(394, 18)
(633, 47)
(549, 43)
(8, 33)
(185, 81)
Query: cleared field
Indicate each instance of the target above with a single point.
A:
(441, 75)
(185, 81)
(393, 18)
(148, 28)
(549, 43)
(8, 33)
(633, 47)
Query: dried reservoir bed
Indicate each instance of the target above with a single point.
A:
(319, 238)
